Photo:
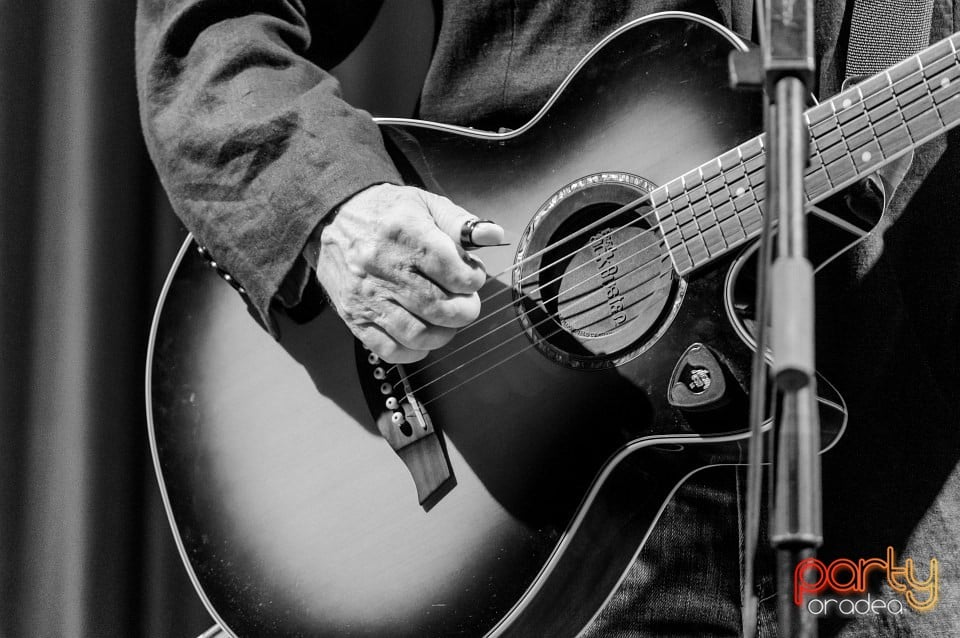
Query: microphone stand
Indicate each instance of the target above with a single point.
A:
(786, 74)
(796, 529)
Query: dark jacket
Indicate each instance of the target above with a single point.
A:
(254, 145)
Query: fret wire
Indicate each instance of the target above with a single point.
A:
(696, 235)
(677, 230)
(741, 232)
(949, 81)
(928, 97)
(856, 134)
(744, 177)
(904, 96)
(925, 101)
(662, 220)
(710, 215)
(928, 104)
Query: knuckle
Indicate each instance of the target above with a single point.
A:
(426, 297)
(458, 311)
(363, 297)
(412, 333)
(394, 225)
(352, 305)
(441, 311)
(454, 280)
(365, 290)
(475, 278)
(415, 334)
(365, 255)
(466, 279)
(418, 254)
(361, 304)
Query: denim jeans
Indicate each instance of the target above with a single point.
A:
(687, 579)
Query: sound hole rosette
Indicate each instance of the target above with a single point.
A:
(601, 297)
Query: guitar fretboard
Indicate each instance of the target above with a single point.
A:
(717, 207)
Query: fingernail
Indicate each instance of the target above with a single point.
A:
(480, 232)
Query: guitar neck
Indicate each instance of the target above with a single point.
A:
(716, 208)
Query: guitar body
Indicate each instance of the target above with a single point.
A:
(294, 516)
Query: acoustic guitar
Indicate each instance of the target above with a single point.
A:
(504, 485)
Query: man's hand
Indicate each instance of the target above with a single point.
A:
(390, 261)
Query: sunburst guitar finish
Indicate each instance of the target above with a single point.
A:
(610, 362)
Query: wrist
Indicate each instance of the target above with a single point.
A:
(311, 250)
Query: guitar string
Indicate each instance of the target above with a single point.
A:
(623, 209)
(506, 341)
(510, 288)
(619, 211)
(527, 331)
(535, 341)
(644, 218)
(513, 302)
(861, 100)
(608, 217)
(512, 319)
(487, 369)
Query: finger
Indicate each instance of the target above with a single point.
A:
(477, 233)
(411, 331)
(447, 266)
(441, 259)
(462, 227)
(385, 346)
(429, 302)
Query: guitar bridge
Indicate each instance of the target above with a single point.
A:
(403, 422)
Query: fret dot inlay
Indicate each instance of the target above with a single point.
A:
(717, 207)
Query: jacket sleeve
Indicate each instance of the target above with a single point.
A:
(251, 138)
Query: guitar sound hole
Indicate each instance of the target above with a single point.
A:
(598, 296)
(615, 277)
